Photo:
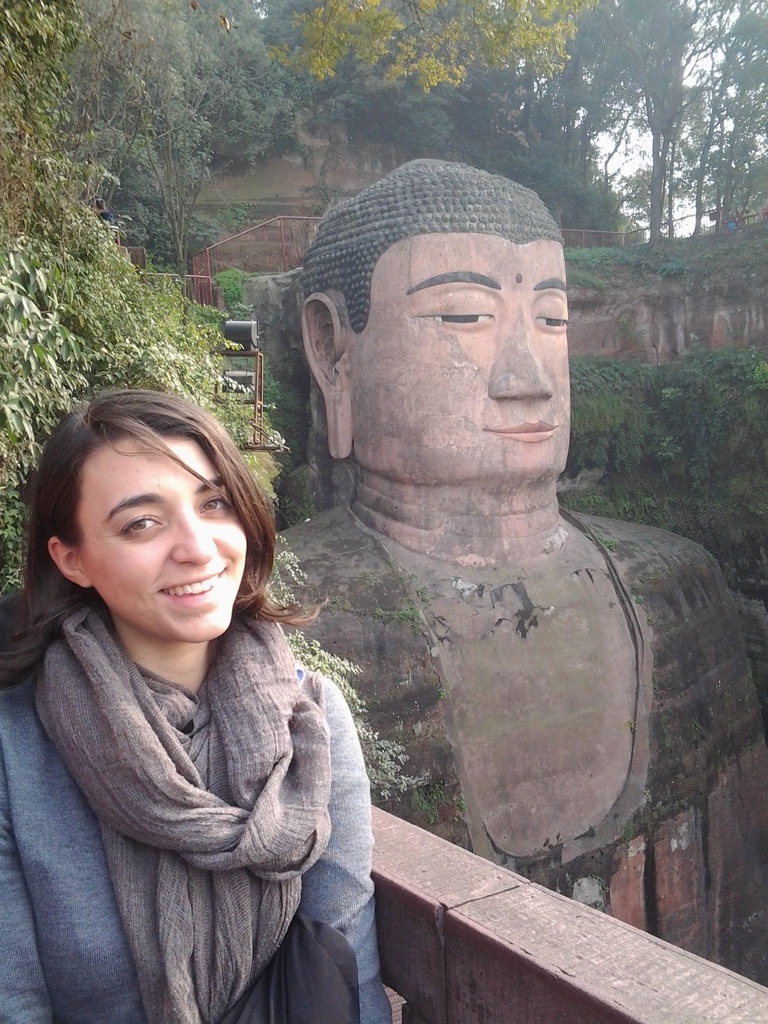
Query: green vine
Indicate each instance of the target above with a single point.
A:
(683, 447)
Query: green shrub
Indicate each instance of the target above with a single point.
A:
(684, 447)
(611, 421)
(231, 284)
(75, 316)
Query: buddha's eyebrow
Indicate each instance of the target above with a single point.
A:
(551, 282)
(456, 277)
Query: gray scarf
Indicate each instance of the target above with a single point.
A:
(207, 836)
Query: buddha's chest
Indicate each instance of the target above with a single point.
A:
(539, 666)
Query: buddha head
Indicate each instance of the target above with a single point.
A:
(435, 325)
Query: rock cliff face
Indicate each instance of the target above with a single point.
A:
(302, 183)
(665, 320)
(276, 303)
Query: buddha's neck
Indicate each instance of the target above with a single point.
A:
(461, 524)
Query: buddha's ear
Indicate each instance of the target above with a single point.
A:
(325, 343)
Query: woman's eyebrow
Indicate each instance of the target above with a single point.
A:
(155, 499)
(133, 502)
(456, 277)
(551, 282)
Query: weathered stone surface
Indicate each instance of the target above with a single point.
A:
(662, 321)
(301, 183)
(520, 650)
(680, 877)
(738, 864)
(373, 619)
(277, 307)
(627, 884)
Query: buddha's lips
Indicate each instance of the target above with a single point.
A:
(538, 431)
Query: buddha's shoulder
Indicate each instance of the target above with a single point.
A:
(334, 545)
(643, 548)
(657, 567)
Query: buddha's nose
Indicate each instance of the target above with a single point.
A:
(516, 374)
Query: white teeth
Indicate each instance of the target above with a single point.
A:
(192, 588)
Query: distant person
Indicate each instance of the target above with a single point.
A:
(105, 214)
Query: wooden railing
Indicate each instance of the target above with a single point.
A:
(466, 942)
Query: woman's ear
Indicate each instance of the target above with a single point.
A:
(66, 558)
(325, 343)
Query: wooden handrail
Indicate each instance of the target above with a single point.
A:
(467, 942)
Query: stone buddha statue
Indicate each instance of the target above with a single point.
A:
(572, 692)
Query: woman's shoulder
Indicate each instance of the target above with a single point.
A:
(326, 693)
(21, 732)
(346, 754)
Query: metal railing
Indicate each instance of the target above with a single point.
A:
(278, 245)
(682, 227)
(578, 238)
(272, 247)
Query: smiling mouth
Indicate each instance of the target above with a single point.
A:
(201, 587)
(528, 432)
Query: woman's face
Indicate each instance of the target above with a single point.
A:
(164, 551)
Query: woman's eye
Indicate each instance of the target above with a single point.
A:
(459, 318)
(218, 504)
(137, 526)
(552, 321)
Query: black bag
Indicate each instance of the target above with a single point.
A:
(311, 979)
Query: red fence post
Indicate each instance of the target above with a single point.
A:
(282, 245)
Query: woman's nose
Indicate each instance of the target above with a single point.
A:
(194, 542)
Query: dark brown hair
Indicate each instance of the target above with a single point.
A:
(146, 419)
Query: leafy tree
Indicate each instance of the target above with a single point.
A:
(75, 316)
(35, 40)
(163, 90)
(433, 40)
(689, 74)
(659, 41)
(723, 140)
(106, 113)
(738, 164)
(538, 129)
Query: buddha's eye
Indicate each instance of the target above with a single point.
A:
(552, 321)
(458, 318)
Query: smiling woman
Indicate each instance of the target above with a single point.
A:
(163, 548)
(193, 802)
